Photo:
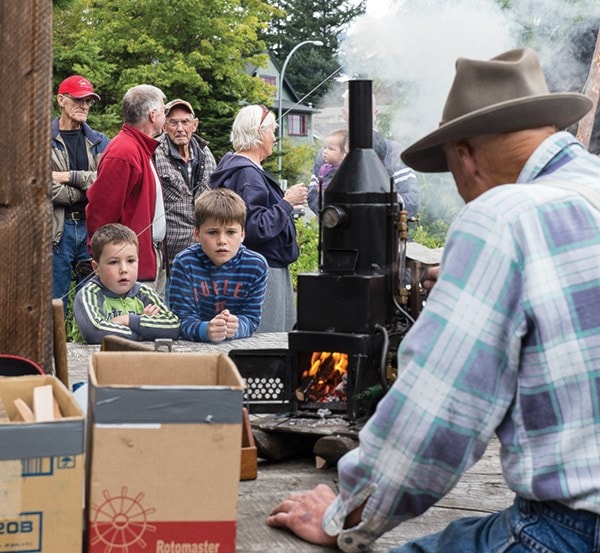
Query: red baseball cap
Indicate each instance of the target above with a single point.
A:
(78, 87)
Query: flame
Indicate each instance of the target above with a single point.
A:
(326, 376)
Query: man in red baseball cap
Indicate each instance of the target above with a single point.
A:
(77, 86)
(76, 149)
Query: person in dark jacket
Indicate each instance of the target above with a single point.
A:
(75, 153)
(270, 228)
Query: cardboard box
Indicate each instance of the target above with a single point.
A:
(164, 435)
(42, 469)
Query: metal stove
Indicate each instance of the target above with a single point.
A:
(353, 312)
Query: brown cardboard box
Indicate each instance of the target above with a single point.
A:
(42, 470)
(164, 434)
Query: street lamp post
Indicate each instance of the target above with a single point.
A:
(279, 110)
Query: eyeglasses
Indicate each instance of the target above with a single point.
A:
(174, 123)
(81, 101)
(265, 113)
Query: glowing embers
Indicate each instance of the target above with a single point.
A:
(326, 379)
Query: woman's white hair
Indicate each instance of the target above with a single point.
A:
(247, 130)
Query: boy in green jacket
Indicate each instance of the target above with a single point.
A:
(113, 302)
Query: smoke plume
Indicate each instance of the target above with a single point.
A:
(413, 45)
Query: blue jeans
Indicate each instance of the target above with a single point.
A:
(71, 249)
(527, 526)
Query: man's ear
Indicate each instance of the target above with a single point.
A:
(153, 115)
(465, 154)
(243, 234)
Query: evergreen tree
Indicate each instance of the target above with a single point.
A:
(323, 20)
(192, 49)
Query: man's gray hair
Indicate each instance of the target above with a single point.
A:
(139, 101)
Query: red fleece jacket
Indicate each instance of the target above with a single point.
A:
(125, 192)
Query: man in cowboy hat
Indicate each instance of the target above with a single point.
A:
(509, 343)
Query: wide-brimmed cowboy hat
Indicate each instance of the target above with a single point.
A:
(507, 93)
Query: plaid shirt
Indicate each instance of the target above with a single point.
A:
(179, 191)
(509, 343)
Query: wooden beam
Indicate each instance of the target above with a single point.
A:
(592, 91)
(43, 403)
(3, 413)
(25, 207)
(24, 410)
(61, 365)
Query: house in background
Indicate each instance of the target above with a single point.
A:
(297, 117)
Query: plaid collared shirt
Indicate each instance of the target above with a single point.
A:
(509, 343)
(180, 191)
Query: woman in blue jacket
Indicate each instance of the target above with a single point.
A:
(270, 228)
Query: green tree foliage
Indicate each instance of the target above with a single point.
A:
(296, 162)
(439, 207)
(193, 49)
(433, 235)
(307, 235)
(323, 20)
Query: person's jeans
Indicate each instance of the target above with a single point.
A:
(527, 526)
(71, 249)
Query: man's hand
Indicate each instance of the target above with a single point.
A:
(302, 514)
(430, 277)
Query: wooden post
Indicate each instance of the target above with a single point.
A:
(592, 91)
(25, 208)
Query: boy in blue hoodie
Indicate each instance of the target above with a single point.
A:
(218, 285)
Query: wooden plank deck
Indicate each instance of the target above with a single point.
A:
(480, 491)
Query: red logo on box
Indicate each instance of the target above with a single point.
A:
(120, 525)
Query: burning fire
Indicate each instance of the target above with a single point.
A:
(325, 380)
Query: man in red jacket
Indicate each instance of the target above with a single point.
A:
(127, 189)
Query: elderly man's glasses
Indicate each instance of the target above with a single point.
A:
(174, 123)
(81, 101)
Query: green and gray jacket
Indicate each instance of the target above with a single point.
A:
(68, 194)
(95, 306)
